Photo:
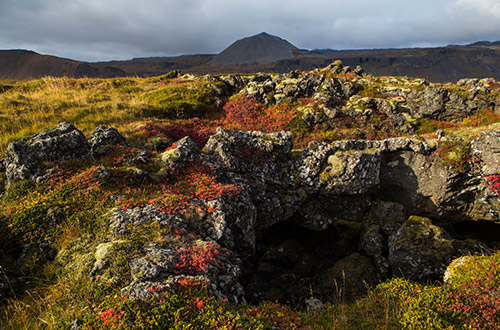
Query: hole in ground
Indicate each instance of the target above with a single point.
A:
(291, 262)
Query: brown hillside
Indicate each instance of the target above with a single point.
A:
(23, 64)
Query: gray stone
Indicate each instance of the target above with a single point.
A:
(102, 137)
(314, 305)
(420, 250)
(35, 156)
(487, 148)
(155, 265)
(351, 173)
(123, 221)
(182, 153)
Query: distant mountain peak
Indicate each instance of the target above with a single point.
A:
(262, 48)
(485, 43)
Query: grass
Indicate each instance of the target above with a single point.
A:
(40, 104)
(153, 113)
(395, 304)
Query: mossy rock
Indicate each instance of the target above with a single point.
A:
(348, 278)
(464, 269)
(420, 250)
(170, 156)
(337, 165)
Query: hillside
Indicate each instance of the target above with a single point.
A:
(440, 64)
(22, 64)
(267, 53)
(323, 199)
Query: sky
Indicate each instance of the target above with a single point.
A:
(103, 30)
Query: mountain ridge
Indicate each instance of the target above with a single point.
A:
(265, 52)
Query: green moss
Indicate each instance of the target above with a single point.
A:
(337, 165)
(325, 176)
(177, 101)
(170, 156)
(271, 98)
(267, 139)
(373, 91)
(474, 267)
(417, 220)
(297, 179)
(420, 306)
(338, 63)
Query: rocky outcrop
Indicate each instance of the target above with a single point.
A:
(179, 154)
(34, 157)
(168, 258)
(271, 89)
(340, 92)
(261, 164)
(352, 211)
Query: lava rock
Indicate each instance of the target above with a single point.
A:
(179, 155)
(102, 137)
(34, 157)
(420, 250)
(487, 148)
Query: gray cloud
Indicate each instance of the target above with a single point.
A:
(121, 29)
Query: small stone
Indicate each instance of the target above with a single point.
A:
(314, 305)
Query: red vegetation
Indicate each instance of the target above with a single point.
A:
(196, 259)
(247, 114)
(479, 301)
(493, 181)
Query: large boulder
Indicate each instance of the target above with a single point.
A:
(439, 103)
(260, 163)
(163, 250)
(420, 250)
(351, 173)
(34, 157)
(180, 154)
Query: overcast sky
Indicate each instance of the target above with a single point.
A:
(98, 30)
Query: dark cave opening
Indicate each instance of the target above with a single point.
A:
(487, 232)
(292, 262)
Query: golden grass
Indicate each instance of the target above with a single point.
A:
(41, 104)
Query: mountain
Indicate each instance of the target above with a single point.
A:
(25, 64)
(438, 64)
(262, 48)
(265, 52)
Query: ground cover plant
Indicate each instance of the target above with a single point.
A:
(68, 216)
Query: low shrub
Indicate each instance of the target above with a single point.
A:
(454, 153)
